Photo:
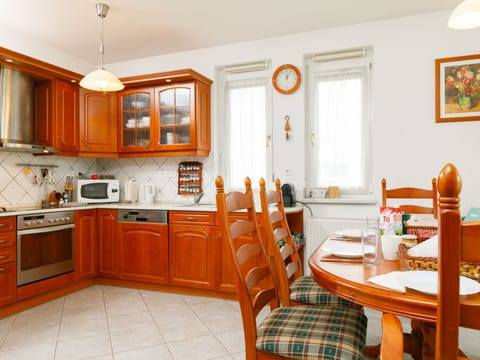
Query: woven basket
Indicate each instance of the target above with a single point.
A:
(471, 270)
(422, 232)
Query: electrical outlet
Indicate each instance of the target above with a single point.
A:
(314, 193)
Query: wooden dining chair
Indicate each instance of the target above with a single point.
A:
(458, 249)
(404, 193)
(294, 288)
(293, 332)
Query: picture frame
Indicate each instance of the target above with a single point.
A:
(457, 89)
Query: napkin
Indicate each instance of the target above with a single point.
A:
(421, 280)
(391, 280)
(427, 248)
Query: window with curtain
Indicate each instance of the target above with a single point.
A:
(338, 112)
(243, 133)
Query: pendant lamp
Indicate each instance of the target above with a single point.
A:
(465, 16)
(101, 80)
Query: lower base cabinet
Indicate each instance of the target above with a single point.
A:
(143, 252)
(85, 252)
(8, 283)
(194, 249)
(106, 235)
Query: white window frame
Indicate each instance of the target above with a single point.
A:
(319, 65)
(227, 77)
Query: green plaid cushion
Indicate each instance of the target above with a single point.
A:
(305, 290)
(311, 332)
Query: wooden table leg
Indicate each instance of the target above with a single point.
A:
(429, 330)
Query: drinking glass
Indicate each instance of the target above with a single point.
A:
(370, 241)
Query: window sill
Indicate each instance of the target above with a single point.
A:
(367, 200)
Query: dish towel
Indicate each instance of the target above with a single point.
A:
(421, 280)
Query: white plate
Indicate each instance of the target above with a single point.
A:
(350, 233)
(427, 282)
(348, 251)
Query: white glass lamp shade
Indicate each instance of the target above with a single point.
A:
(465, 16)
(101, 80)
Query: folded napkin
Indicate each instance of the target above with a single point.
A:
(427, 248)
(421, 280)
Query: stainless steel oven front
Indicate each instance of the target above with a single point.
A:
(45, 245)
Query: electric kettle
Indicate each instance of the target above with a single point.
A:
(131, 190)
(146, 193)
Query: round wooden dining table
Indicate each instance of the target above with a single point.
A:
(348, 278)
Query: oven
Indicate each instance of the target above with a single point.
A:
(45, 243)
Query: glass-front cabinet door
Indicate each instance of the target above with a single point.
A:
(136, 109)
(175, 115)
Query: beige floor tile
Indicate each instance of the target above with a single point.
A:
(86, 312)
(85, 328)
(180, 330)
(124, 306)
(239, 356)
(130, 321)
(82, 348)
(232, 340)
(159, 352)
(37, 352)
(5, 325)
(155, 299)
(201, 348)
(135, 338)
(85, 297)
(45, 315)
(172, 312)
(28, 337)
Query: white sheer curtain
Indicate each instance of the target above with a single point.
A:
(339, 113)
(246, 114)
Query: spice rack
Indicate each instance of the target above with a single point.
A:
(189, 178)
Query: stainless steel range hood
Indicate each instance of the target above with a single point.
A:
(17, 113)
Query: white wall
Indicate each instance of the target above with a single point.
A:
(408, 146)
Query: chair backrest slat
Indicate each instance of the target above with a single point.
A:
(285, 260)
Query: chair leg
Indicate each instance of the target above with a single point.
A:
(373, 350)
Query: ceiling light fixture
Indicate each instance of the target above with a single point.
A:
(465, 16)
(101, 80)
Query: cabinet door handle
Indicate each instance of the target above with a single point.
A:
(3, 241)
(3, 225)
(3, 257)
(3, 269)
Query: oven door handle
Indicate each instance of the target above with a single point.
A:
(45, 229)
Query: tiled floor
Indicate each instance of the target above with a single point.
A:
(105, 323)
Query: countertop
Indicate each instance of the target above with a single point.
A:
(211, 207)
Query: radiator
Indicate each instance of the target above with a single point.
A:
(317, 230)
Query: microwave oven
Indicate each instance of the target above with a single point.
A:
(97, 191)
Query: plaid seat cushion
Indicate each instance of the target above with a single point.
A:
(310, 332)
(305, 290)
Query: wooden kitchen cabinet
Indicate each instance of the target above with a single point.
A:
(165, 114)
(98, 123)
(43, 113)
(8, 264)
(66, 120)
(143, 252)
(106, 233)
(85, 242)
(136, 125)
(194, 249)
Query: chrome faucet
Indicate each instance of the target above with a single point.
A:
(197, 197)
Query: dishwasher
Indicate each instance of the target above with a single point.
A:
(143, 245)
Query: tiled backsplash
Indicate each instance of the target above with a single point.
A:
(158, 170)
(18, 171)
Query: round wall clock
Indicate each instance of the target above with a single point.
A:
(286, 79)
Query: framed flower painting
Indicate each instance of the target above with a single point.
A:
(457, 87)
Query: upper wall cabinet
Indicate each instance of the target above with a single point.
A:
(66, 120)
(165, 114)
(98, 124)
